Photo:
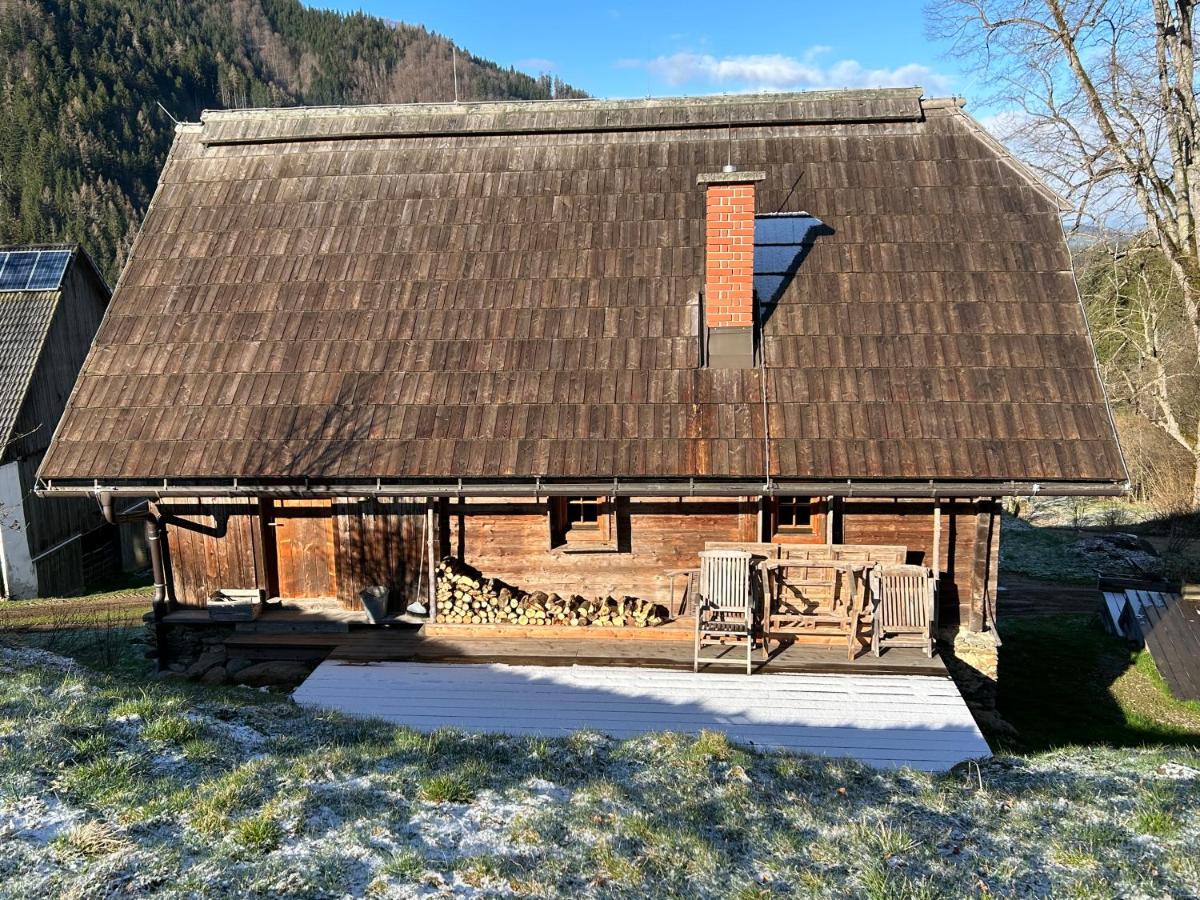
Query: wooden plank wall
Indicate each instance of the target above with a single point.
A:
(221, 547)
(375, 542)
(305, 558)
(910, 522)
(509, 539)
(53, 520)
(379, 541)
(382, 542)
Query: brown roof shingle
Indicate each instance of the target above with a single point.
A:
(511, 291)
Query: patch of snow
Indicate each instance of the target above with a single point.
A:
(31, 656)
(244, 736)
(546, 788)
(483, 826)
(1178, 771)
(308, 849)
(39, 819)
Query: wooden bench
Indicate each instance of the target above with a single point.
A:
(821, 590)
(884, 554)
(822, 598)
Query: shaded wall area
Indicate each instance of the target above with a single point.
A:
(222, 542)
(968, 554)
(510, 539)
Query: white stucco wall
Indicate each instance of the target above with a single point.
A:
(19, 574)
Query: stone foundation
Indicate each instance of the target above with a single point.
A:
(973, 659)
(197, 652)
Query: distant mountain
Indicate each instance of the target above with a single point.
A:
(82, 137)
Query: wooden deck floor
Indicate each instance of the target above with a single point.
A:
(412, 645)
(321, 629)
(885, 720)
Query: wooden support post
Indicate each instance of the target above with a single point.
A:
(981, 574)
(937, 539)
(429, 524)
(829, 503)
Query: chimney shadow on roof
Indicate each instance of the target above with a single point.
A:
(782, 241)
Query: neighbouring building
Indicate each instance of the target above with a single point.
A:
(52, 299)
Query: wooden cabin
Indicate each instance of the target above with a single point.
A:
(572, 343)
(52, 299)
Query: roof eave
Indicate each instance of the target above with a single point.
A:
(537, 486)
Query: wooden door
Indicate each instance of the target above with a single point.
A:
(304, 559)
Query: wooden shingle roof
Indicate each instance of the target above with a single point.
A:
(511, 290)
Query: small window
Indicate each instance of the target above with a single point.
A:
(795, 515)
(580, 522)
(796, 520)
(584, 513)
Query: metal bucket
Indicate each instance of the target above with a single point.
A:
(375, 603)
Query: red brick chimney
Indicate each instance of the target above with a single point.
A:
(729, 268)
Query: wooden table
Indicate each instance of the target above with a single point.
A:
(820, 604)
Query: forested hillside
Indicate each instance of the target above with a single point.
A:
(82, 137)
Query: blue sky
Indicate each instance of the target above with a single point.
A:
(637, 49)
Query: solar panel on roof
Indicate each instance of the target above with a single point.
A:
(780, 244)
(33, 270)
(48, 272)
(17, 269)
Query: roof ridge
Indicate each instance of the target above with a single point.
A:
(18, 248)
(324, 123)
(565, 104)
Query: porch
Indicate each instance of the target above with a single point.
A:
(319, 630)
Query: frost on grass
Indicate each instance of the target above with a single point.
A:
(118, 787)
(15, 658)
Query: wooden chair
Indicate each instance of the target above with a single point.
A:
(725, 610)
(905, 608)
(818, 597)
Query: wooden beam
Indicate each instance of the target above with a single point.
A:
(432, 561)
(937, 539)
(981, 574)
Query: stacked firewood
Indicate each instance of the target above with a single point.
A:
(466, 597)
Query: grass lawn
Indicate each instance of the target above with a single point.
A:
(1045, 553)
(1065, 681)
(115, 783)
(122, 607)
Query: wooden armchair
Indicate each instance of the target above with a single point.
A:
(725, 610)
(905, 608)
(819, 597)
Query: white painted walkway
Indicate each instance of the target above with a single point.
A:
(884, 720)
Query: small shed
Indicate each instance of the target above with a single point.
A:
(52, 299)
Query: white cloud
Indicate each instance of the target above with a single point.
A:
(536, 64)
(777, 71)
